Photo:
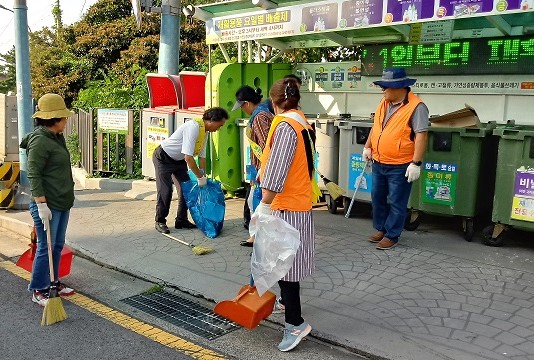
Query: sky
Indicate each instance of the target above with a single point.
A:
(39, 16)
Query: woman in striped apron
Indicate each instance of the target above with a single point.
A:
(286, 181)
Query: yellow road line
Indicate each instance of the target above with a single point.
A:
(156, 334)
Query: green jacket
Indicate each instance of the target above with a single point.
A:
(49, 170)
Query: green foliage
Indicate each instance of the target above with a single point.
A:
(7, 69)
(154, 289)
(106, 11)
(73, 145)
(101, 61)
(112, 93)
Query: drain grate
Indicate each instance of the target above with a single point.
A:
(183, 313)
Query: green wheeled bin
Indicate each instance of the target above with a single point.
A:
(327, 154)
(457, 176)
(513, 202)
(353, 134)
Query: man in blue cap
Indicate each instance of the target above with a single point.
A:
(396, 145)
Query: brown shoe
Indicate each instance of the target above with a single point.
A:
(376, 237)
(385, 244)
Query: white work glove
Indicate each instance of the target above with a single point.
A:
(263, 209)
(367, 154)
(413, 172)
(202, 181)
(44, 213)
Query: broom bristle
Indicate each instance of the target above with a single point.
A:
(53, 312)
(335, 190)
(201, 250)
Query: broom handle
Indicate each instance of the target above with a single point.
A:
(359, 182)
(347, 215)
(180, 241)
(49, 244)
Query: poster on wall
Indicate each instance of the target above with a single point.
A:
(319, 18)
(439, 183)
(503, 5)
(523, 201)
(356, 167)
(357, 13)
(338, 76)
(408, 11)
(457, 8)
(156, 133)
(112, 121)
(334, 15)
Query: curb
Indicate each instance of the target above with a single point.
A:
(16, 226)
(133, 189)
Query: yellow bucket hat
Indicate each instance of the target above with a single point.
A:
(51, 106)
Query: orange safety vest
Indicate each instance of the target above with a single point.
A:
(297, 194)
(392, 144)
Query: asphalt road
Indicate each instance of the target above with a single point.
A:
(83, 335)
(87, 335)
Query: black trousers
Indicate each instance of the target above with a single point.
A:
(290, 292)
(169, 171)
(246, 208)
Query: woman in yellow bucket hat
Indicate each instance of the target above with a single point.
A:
(52, 188)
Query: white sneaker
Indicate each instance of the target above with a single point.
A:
(40, 298)
(63, 290)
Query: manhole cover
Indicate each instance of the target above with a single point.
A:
(183, 313)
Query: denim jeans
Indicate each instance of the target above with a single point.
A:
(58, 227)
(390, 194)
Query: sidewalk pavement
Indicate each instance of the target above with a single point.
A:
(435, 296)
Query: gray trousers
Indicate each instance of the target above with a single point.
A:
(169, 171)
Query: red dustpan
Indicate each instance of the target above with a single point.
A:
(248, 308)
(26, 260)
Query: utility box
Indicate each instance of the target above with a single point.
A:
(157, 125)
(9, 138)
(174, 99)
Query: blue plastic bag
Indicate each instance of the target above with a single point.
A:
(254, 197)
(206, 205)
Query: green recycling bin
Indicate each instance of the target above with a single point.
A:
(513, 202)
(457, 176)
(352, 137)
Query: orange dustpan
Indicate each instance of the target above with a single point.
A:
(25, 261)
(248, 308)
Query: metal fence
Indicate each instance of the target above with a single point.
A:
(82, 125)
(104, 151)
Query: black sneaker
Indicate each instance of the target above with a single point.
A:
(184, 225)
(162, 228)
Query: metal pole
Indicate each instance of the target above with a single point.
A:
(24, 96)
(239, 52)
(169, 43)
(249, 51)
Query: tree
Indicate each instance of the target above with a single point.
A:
(7, 69)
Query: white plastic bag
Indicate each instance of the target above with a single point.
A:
(275, 244)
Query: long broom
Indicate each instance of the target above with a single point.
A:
(197, 250)
(53, 311)
(334, 189)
